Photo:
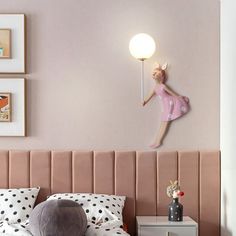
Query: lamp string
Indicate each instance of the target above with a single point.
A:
(142, 81)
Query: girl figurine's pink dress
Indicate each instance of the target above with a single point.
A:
(173, 107)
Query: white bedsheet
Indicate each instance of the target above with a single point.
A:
(14, 229)
(110, 228)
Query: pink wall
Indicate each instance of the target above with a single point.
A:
(83, 85)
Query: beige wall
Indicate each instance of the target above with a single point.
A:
(83, 85)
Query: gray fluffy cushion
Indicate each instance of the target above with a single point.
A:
(58, 218)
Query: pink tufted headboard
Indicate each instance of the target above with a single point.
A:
(141, 176)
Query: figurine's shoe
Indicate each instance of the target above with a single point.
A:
(155, 145)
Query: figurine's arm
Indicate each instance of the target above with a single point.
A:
(152, 94)
(170, 91)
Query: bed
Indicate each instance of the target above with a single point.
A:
(139, 175)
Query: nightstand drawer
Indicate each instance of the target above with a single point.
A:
(168, 231)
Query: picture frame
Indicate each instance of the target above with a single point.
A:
(12, 44)
(15, 90)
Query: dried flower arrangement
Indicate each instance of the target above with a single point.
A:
(173, 190)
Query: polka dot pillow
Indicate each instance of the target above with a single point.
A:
(99, 208)
(17, 204)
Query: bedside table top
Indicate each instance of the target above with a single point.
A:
(163, 221)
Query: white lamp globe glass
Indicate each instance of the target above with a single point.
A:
(142, 46)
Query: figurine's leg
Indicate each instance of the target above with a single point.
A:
(162, 132)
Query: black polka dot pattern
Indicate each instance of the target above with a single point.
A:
(104, 212)
(18, 229)
(14, 204)
(105, 229)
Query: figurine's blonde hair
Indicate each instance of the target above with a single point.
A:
(162, 69)
(163, 77)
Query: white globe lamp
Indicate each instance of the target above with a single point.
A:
(142, 46)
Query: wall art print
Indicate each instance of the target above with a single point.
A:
(5, 107)
(5, 43)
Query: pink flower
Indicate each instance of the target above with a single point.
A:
(180, 193)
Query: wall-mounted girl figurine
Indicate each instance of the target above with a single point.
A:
(174, 105)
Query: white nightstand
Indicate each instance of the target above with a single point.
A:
(160, 226)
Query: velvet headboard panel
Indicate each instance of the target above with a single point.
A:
(141, 176)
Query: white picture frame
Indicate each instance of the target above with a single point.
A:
(16, 63)
(17, 88)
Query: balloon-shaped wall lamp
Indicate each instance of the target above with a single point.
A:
(142, 46)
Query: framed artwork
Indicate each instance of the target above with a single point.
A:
(12, 43)
(5, 107)
(5, 43)
(12, 107)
